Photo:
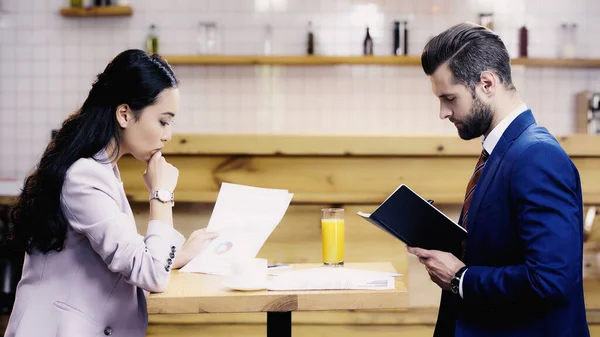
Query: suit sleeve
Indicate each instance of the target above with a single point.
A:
(89, 203)
(546, 199)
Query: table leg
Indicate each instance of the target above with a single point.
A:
(279, 324)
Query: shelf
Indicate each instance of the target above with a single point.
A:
(97, 11)
(291, 60)
(364, 60)
(557, 63)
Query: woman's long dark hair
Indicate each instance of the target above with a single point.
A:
(134, 78)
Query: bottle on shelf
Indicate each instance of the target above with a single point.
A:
(396, 34)
(571, 42)
(310, 48)
(405, 40)
(487, 20)
(104, 2)
(368, 44)
(76, 3)
(523, 50)
(268, 41)
(152, 40)
(400, 34)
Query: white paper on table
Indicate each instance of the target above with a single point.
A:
(244, 217)
(327, 278)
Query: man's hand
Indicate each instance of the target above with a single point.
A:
(441, 266)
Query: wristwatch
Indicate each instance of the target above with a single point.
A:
(455, 281)
(164, 196)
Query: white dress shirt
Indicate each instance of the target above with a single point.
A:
(489, 143)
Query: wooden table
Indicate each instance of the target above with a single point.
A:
(190, 293)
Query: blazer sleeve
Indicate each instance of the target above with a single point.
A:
(89, 202)
(546, 199)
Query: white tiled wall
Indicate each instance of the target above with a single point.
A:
(47, 63)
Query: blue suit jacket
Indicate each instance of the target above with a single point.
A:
(524, 249)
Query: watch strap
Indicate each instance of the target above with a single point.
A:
(460, 272)
(154, 195)
(455, 282)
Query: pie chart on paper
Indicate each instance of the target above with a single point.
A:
(222, 248)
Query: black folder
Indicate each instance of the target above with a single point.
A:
(416, 222)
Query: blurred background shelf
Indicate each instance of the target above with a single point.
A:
(364, 60)
(557, 63)
(97, 11)
(290, 60)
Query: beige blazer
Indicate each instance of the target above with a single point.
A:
(97, 285)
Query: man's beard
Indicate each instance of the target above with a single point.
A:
(477, 122)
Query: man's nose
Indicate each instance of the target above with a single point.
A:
(445, 112)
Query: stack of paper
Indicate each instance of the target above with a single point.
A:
(244, 217)
(327, 278)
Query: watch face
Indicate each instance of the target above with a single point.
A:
(454, 283)
(164, 195)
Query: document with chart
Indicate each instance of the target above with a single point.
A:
(244, 217)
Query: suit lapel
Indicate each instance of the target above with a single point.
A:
(514, 130)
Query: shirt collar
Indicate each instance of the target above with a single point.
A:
(489, 142)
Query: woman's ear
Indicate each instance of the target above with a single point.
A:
(124, 115)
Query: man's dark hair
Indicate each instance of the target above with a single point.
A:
(469, 50)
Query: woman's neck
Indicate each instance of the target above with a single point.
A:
(111, 149)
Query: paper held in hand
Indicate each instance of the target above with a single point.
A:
(244, 217)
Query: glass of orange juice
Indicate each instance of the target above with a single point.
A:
(332, 236)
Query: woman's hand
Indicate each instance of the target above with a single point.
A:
(192, 247)
(160, 174)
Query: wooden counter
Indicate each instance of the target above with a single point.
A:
(191, 293)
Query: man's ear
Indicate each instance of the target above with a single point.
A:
(488, 83)
(124, 115)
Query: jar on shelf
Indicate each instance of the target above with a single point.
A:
(567, 40)
(207, 38)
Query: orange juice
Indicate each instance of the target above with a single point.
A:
(332, 232)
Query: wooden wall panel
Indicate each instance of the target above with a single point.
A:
(576, 145)
(359, 180)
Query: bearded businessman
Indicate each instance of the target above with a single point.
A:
(520, 273)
